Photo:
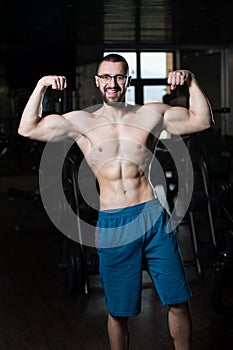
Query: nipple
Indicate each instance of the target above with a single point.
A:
(139, 146)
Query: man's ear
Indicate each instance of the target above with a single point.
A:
(96, 81)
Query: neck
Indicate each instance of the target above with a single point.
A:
(116, 109)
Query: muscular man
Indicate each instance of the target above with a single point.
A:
(118, 142)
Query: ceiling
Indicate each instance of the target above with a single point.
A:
(125, 23)
(147, 23)
(32, 32)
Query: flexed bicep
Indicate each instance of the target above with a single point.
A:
(52, 127)
(198, 116)
(31, 124)
(178, 120)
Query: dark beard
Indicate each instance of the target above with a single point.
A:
(120, 98)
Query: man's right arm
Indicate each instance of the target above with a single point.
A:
(53, 127)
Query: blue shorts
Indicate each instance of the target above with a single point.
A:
(128, 239)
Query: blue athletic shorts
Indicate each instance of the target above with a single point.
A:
(128, 239)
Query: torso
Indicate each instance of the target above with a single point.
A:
(119, 152)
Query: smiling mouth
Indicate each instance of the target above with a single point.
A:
(111, 92)
(112, 95)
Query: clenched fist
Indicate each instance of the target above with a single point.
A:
(179, 77)
(57, 82)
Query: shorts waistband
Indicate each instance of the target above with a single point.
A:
(128, 211)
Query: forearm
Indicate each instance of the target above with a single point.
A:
(199, 104)
(32, 113)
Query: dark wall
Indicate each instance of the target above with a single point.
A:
(40, 40)
(26, 64)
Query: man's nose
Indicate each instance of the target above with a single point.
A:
(113, 82)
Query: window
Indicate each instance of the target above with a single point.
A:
(153, 65)
(130, 95)
(153, 93)
(131, 58)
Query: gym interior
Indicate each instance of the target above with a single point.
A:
(50, 294)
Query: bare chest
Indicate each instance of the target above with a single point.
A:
(113, 142)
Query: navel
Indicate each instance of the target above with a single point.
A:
(100, 149)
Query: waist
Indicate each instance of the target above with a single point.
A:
(131, 210)
(124, 192)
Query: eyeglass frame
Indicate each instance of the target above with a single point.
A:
(126, 77)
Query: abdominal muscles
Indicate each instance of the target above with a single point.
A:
(122, 183)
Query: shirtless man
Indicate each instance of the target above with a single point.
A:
(118, 142)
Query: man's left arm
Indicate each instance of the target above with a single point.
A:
(199, 116)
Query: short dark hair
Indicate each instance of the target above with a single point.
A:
(114, 57)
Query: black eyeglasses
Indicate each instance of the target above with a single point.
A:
(119, 78)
